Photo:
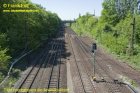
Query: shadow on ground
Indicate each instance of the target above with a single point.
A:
(49, 54)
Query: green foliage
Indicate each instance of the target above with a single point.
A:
(1, 76)
(113, 29)
(84, 24)
(3, 39)
(109, 13)
(26, 29)
(23, 31)
(3, 52)
(3, 59)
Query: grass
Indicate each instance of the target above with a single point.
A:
(133, 61)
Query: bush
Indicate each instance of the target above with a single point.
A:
(4, 59)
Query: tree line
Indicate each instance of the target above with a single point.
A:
(118, 28)
(23, 31)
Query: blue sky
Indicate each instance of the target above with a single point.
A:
(70, 9)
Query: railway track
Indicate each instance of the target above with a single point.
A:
(46, 74)
(32, 74)
(75, 73)
(54, 79)
(111, 86)
(106, 73)
(81, 79)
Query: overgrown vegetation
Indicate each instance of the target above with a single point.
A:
(23, 31)
(113, 29)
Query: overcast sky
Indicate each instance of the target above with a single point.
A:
(70, 9)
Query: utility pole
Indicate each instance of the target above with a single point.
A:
(94, 12)
(132, 41)
(79, 15)
(132, 8)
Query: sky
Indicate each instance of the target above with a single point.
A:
(70, 9)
